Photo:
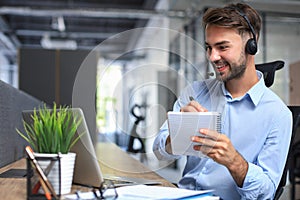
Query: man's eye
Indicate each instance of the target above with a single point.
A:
(223, 47)
(207, 48)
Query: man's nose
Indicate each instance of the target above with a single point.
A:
(214, 55)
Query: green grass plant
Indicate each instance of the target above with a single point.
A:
(52, 130)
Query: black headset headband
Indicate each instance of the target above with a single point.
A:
(241, 13)
(251, 46)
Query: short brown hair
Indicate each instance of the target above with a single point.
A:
(230, 17)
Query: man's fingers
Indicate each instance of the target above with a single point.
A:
(210, 133)
(206, 150)
(193, 106)
(197, 106)
(188, 109)
(209, 142)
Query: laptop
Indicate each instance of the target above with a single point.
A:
(87, 170)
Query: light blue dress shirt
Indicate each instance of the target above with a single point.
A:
(259, 126)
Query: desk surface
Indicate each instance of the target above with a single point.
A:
(113, 161)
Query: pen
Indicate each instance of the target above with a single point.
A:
(38, 184)
(47, 193)
(191, 98)
(201, 109)
(43, 178)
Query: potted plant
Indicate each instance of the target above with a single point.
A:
(54, 131)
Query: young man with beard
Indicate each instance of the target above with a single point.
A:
(245, 160)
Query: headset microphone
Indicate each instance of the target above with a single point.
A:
(210, 73)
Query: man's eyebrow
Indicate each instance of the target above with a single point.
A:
(218, 43)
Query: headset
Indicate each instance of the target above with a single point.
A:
(251, 45)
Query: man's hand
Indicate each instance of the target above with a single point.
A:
(168, 145)
(193, 106)
(219, 147)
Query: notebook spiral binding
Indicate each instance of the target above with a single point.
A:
(218, 123)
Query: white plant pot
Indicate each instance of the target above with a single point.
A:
(67, 169)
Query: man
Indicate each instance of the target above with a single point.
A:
(245, 160)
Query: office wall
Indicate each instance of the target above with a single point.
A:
(294, 83)
(50, 75)
(282, 43)
(37, 72)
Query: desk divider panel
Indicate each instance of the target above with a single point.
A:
(12, 103)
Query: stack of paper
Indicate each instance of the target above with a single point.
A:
(151, 192)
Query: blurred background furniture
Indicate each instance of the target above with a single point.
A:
(12, 103)
(268, 70)
(294, 158)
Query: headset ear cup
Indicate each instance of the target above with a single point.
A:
(251, 46)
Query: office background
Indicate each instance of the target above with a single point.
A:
(141, 52)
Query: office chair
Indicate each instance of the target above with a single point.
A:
(268, 70)
(294, 158)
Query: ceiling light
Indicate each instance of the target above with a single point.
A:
(49, 43)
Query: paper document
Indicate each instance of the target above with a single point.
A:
(151, 192)
(184, 125)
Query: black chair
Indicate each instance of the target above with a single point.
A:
(268, 70)
(134, 135)
(294, 158)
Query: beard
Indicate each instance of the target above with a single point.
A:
(236, 70)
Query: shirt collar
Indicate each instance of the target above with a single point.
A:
(255, 93)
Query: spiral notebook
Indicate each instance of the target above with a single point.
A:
(184, 125)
